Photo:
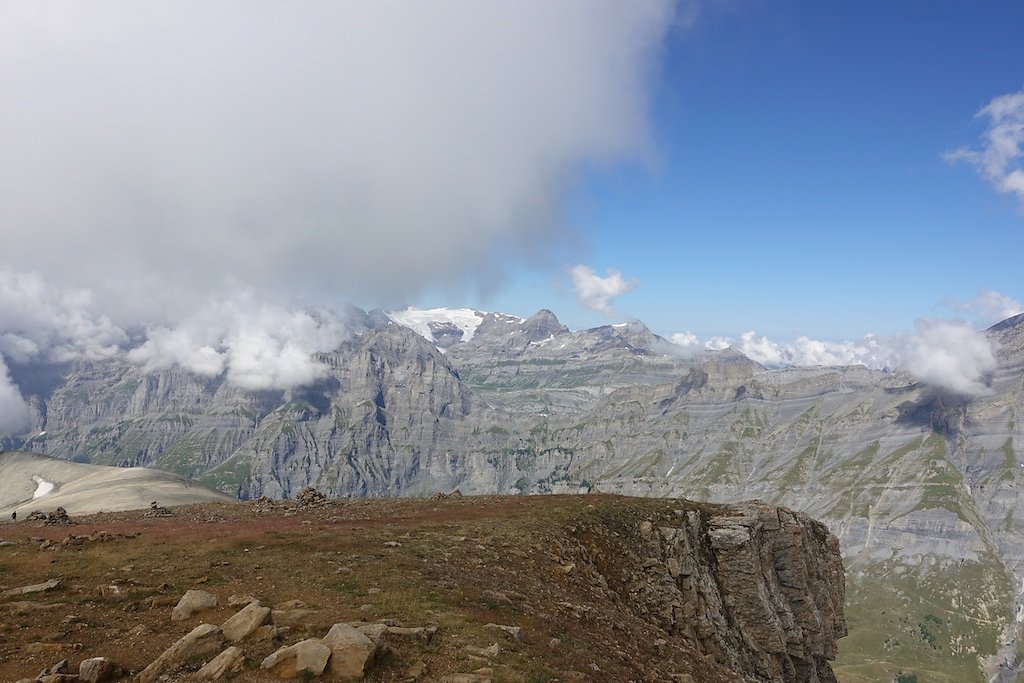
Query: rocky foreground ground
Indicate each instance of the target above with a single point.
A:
(457, 589)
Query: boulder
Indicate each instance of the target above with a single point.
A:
(290, 662)
(230, 661)
(372, 631)
(98, 669)
(513, 632)
(203, 640)
(193, 602)
(245, 621)
(352, 653)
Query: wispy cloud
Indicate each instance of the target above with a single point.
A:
(998, 159)
(596, 292)
(14, 413)
(988, 308)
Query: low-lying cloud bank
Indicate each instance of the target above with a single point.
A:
(953, 355)
(257, 345)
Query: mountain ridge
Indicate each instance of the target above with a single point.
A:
(911, 479)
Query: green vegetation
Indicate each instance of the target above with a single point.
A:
(933, 620)
(230, 476)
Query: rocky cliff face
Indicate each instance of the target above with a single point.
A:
(756, 588)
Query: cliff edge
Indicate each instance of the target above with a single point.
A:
(491, 588)
(756, 588)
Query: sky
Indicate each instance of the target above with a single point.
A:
(798, 184)
(207, 184)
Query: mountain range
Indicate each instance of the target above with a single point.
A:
(922, 487)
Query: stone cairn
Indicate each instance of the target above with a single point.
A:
(156, 511)
(310, 497)
(58, 517)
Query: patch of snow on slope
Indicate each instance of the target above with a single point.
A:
(419, 319)
(42, 487)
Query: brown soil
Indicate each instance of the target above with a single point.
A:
(459, 564)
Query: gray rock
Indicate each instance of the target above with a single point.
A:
(244, 622)
(98, 669)
(352, 652)
(290, 662)
(48, 585)
(191, 603)
(228, 662)
(203, 640)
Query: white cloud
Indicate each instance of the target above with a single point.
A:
(259, 346)
(999, 158)
(193, 349)
(988, 308)
(316, 151)
(686, 340)
(718, 343)
(807, 352)
(597, 292)
(950, 355)
(14, 413)
(41, 322)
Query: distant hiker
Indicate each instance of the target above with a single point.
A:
(14, 516)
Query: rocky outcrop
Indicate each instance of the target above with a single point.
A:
(758, 589)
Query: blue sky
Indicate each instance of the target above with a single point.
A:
(796, 184)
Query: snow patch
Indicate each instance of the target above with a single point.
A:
(418, 320)
(42, 487)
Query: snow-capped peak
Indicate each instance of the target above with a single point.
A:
(419, 320)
